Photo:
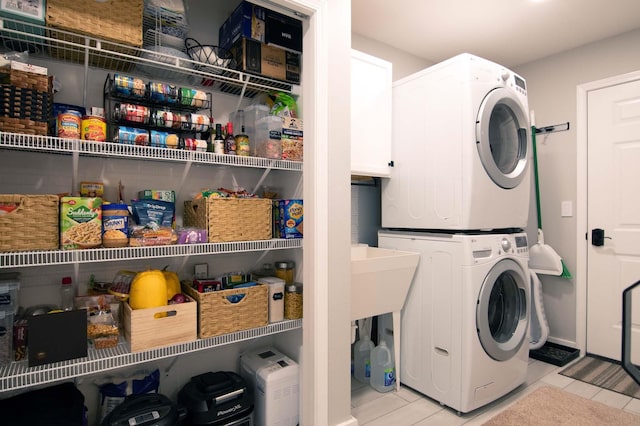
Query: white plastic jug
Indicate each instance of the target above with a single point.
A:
(362, 358)
(383, 374)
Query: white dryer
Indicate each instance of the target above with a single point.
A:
(465, 321)
(461, 149)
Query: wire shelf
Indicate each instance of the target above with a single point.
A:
(18, 375)
(51, 43)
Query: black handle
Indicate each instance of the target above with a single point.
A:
(597, 237)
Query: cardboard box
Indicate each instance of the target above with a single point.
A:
(157, 194)
(80, 222)
(26, 11)
(260, 24)
(292, 139)
(268, 61)
(162, 326)
(291, 218)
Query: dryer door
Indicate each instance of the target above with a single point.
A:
(502, 136)
(502, 318)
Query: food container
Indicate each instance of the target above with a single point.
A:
(80, 222)
(276, 297)
(94, 128)
(6, 337)
(293, 301)
(9, 287)
(285, 269)
(269, 137)
(115, 225)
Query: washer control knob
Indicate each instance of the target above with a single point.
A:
(505, 75)
(506, 244)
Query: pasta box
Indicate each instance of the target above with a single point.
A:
(80, 222)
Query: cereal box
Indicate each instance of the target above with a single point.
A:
(80, 222)
(290, 219)
(292, 139)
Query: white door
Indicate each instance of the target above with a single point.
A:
(613, 205)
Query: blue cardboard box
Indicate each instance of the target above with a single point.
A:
(260, 24)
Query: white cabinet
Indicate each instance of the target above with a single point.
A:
(370, 115)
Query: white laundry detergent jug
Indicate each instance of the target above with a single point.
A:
(362, 358)
(383, 374)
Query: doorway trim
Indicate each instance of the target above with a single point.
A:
(581, 197)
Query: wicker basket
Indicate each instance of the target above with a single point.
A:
(230, 219)
(33, 225)
(119, 21)
(115, 22)
(217, 315)
(26, 101)
(25, 79)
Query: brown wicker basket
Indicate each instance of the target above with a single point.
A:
(230, 219)
(217, 315)
(33, 225)
(116, 20)
(24, 79)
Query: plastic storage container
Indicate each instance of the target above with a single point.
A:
(252, 114)
(276, 297)
(268, 139)
(9, 286)
(383, 377)
(293, 301)
(286, 270)
(362, 359)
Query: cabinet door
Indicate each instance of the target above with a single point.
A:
(370, 115)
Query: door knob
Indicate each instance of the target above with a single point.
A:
(597, 237)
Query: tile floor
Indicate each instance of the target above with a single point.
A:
(407, 407)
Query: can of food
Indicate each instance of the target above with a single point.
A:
(94, 128)
(115, 225)
(68, 124)
(133, 113)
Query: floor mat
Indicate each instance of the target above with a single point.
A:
(604, 374)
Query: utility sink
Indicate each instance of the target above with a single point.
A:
(380, 279)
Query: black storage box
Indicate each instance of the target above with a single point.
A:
(268, 61)
(220, 399)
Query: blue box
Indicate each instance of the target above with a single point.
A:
(258, 23)
(24, 12)
(290, 219)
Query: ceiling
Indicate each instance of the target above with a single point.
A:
(509, 32)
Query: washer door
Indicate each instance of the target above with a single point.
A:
(502, 136)
(502, 319)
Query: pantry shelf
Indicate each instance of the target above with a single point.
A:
(51, 144)
(52, 43)
(18, 375)
(57, 257)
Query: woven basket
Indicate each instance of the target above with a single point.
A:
(116, 20)
(33, 225)
(217, 315)
(230, 219)
(24, 79)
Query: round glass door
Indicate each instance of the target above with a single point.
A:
(502, 319)
(502, 136)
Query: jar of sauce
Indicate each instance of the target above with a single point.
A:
(285, 269)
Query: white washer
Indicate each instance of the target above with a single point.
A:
(461, 149)
(465, 321)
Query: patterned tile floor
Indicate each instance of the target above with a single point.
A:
(408, 407)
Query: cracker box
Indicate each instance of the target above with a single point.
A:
(292, 139)
(290, 219)
(158, 194)
(80, 222)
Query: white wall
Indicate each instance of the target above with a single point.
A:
(552, 84)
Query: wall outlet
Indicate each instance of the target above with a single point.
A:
(201, 270)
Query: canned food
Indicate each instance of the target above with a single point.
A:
(132, 136)
(129, 86)
(94, 128)
(68, 124)
(163, 118)
(193, 97)
(133, 113)
(199, 122)
(165, 93)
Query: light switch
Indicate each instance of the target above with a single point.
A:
(566, 209)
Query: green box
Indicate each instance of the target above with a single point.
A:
(20, 14)
(157, 194)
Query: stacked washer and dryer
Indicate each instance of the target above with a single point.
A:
(459, 195)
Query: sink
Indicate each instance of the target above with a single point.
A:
(380, 279)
